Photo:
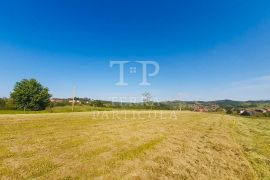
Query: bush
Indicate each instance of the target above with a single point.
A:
(2, 103)
(267, 114)
(10, 104)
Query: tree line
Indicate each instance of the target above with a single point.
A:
(29, 94)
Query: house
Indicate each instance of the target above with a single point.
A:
(75, 101)
(263, 111)
(215, 107)
(257, 112)
(200, 109)
(260, 110)
(57, 100)
(247, 112)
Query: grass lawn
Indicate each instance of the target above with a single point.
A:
(141, 145)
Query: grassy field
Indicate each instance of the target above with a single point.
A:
(58, 109)
(129, 145)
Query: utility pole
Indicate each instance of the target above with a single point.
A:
(73, 100)
(180, 103)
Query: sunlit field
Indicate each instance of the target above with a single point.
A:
(134, 145)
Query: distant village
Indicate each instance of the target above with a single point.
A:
(243, 108)
(243, 112)
(226, 106)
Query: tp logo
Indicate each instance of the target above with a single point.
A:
(145, 74)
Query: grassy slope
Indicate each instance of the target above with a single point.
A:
(59, 109)
(80, 145)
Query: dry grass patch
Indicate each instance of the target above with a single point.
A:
(148, 145)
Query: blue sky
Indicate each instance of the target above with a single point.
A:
(207, 50)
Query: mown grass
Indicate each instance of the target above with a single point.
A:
(255, 140)
(140, 150)
(128, 145)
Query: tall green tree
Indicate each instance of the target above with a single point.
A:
(29, 94)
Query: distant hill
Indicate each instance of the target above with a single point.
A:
(221, 103)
